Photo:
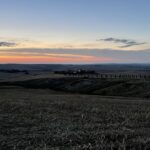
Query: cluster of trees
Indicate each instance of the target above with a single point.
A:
(89, 73)
(76, 72)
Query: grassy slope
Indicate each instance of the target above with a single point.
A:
(109, 87)
(42, 119)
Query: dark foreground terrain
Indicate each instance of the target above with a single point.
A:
(44, 119)
(40, 110)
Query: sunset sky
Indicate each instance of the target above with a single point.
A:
(75, 31)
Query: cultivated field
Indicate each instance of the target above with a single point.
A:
(44, 119)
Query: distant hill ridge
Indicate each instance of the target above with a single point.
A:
(96, 67)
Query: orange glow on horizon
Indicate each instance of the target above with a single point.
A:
(51, 59)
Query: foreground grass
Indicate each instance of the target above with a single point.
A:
(43, 120)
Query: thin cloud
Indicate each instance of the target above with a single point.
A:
(7, 44)
(126, 42)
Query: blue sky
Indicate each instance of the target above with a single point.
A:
(78, 24)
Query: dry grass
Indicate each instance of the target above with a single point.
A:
(42, 120)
